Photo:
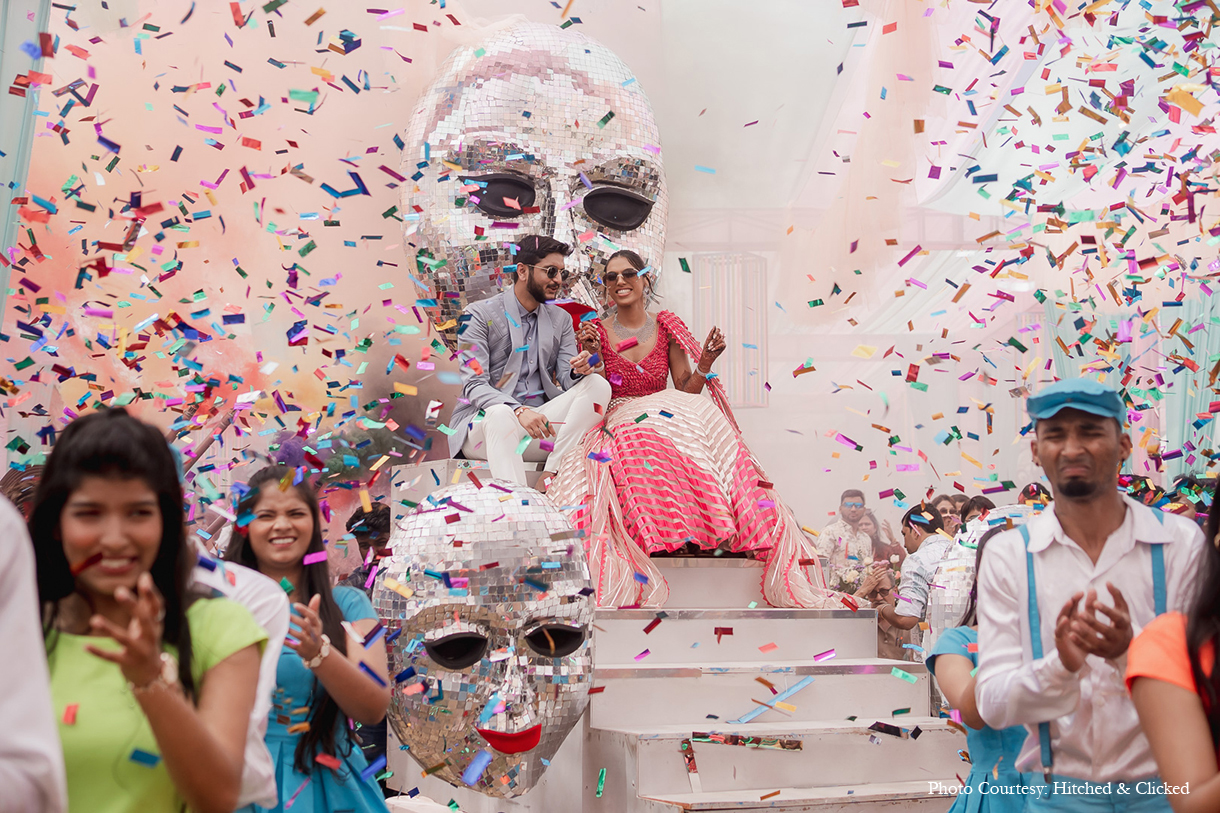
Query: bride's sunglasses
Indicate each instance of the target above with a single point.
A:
(611, 277)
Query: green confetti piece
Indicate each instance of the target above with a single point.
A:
(896, 712)
(287, 585)
(685, 266)
(642, 418)
(898, 673)
(524, 444)
(814, 303)
(601, 782)
(310, 96)
(1013, 341)
(605, 120)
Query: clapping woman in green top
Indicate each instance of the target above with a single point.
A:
(153, 687)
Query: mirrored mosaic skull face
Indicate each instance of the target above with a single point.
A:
(490, 590)
(538, 130)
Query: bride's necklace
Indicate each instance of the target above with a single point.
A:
(642, 333)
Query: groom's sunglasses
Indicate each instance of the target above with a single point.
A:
(552, 272)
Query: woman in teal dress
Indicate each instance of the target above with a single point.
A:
(324, 679)
(994, 784)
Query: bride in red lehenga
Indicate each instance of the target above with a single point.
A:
(669, 467)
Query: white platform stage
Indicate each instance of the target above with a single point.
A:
(682, 681)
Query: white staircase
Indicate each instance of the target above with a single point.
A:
(691, 684)
(681, 684)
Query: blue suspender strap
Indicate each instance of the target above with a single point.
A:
(1159, 597)
(1035, 644)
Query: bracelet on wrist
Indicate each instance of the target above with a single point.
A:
(167, 678)
(316, 660)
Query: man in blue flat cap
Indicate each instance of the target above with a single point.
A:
(1060, 600)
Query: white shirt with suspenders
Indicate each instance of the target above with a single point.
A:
(1083, 724)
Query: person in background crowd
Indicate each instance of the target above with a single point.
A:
(877, 588)
(974, 508)
(926, 542)
(993, 754)
(31, 760)
(1051, 652)
(882, 551)
(945, 505)
(372, 532)
(959, 500)
(842, 539)
(19, 487)
(1175, 686)
(1034, 493)
(152, 686)
(323, 678)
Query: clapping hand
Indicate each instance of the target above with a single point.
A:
(1096, 638)
(306, 640)
(140, 658)
(1066, 642)
(712, 348)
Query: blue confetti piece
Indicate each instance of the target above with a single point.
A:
(489, 710)
(376, 677)
(31, 49)
(144, 758)
(474, 771)
(374, 769)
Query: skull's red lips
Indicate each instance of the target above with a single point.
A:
(517, 743)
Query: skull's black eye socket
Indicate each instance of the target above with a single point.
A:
(457, 651)
(555, 641)
(617, 208)
(504, 195)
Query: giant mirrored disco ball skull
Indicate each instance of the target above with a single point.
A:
(536, 130)
(490, 589)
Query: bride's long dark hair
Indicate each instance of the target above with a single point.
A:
(1203, 621)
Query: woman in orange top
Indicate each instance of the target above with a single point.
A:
(1174, 687)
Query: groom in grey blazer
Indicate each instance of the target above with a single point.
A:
(527, 394)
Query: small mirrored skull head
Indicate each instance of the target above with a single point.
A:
(488, 589)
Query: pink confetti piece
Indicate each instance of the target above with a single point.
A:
(314, 558)
(643, 655)
(824, 656)
(907, 258)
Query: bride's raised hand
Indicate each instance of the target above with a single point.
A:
(712, 348)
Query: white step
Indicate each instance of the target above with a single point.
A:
(640, 694)
(689, 636)
(871, 798)
(831, 753)
(738, 581)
